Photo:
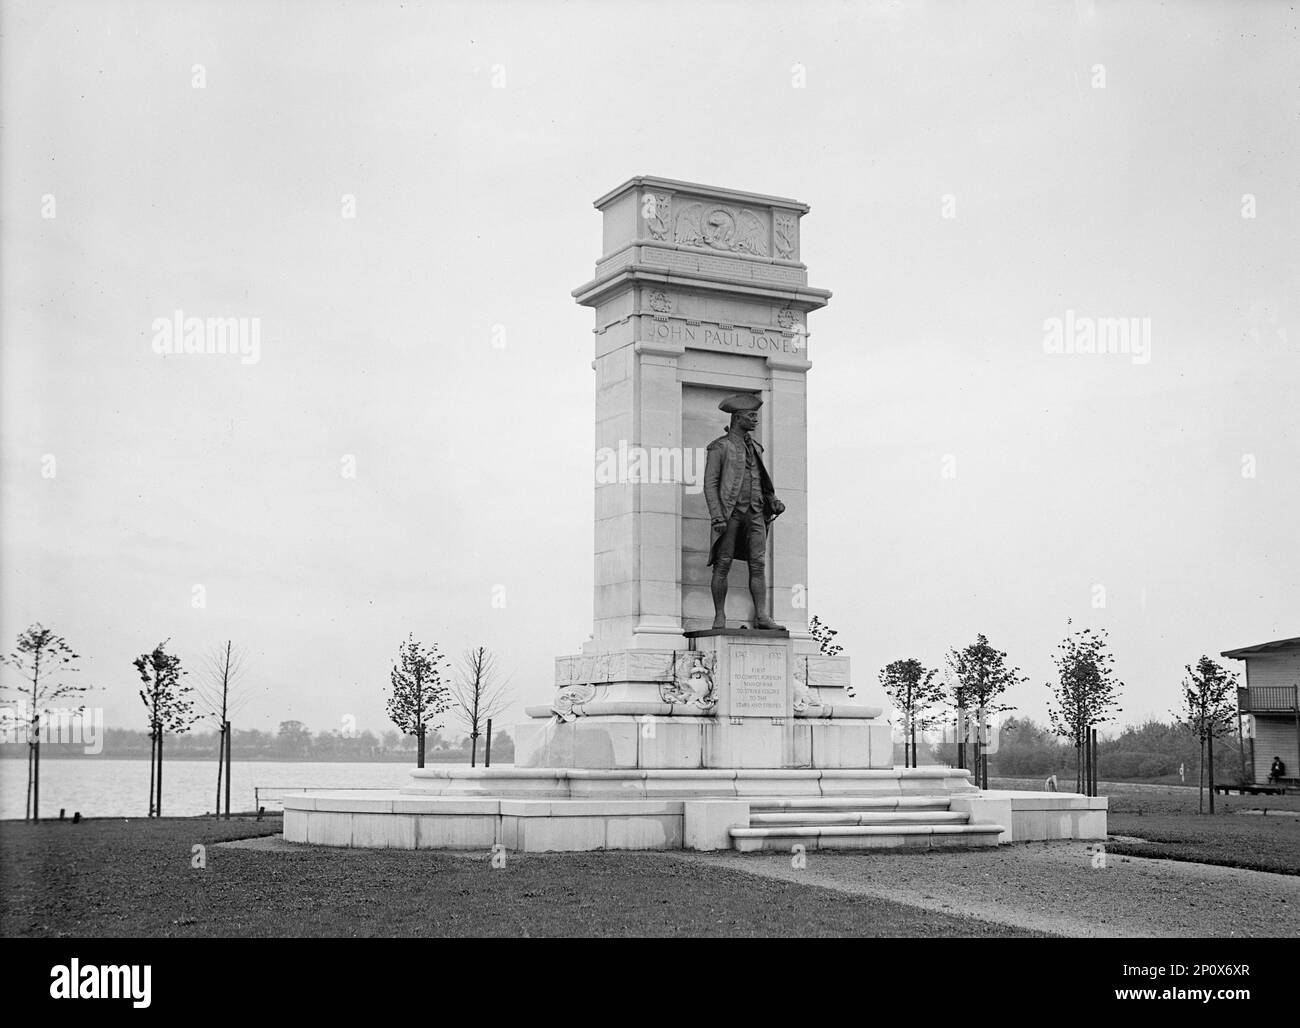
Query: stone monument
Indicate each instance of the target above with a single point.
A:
(701, 306)
(700, 714)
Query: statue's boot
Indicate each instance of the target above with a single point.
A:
(758, 590)
(718, 586)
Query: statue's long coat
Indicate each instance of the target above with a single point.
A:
(724, 470)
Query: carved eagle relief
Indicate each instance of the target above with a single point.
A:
(687, 232)
(733, 230)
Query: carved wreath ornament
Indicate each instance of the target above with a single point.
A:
(568, 698)
(692, 686)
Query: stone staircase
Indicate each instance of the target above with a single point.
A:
(847, 822)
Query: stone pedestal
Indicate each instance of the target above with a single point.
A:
(734, 699)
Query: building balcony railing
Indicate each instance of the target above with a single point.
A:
(1268, 699)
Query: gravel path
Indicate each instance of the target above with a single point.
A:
(1054, 888)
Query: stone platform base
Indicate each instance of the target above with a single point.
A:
(652, 742)
(540, 810)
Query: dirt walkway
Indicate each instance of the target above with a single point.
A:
(1054, 887)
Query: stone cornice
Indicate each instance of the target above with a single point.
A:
(806, 298)
(699, 189)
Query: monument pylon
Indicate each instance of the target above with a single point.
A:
(701, 301)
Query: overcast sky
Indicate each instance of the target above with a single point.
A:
(474, 138)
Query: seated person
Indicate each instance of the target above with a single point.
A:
(1277, 771)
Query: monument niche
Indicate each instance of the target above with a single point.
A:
(701, 304)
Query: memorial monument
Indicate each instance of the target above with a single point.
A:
(701, 304)
(700, 712)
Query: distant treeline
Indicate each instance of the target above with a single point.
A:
(293, 741)
(1024, 749)
(1148, 752)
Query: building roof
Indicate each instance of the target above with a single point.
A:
(1258, 648)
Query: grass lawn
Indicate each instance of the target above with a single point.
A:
(1231, 836)
(134, 878)
(1168, 820)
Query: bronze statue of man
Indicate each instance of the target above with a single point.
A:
(742, 501)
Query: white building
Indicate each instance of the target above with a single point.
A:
(1272, 697)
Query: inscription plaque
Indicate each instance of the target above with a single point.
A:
(758, 680)
(726, 340)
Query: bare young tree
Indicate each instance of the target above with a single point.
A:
(42, 659)
(419, 697)
(169, 707)
(479, 693)
(912, 689)
(1086, 694)
(221, 693)
(1209, 709)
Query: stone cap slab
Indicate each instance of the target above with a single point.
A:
(699, 189)
(703, 228)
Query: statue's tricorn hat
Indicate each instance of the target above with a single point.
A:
(740, 402)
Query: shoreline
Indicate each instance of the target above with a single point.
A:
(191, 758)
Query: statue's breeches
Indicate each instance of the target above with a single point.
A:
(745, 538)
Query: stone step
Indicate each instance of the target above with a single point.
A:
(846, 837)
(813, 818)
(772, 804)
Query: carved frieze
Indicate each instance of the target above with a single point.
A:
(722, 227)
(822, 672)
(615, 666)
(723, 267)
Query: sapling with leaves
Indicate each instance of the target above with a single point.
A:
(912, 689)
(419, 697)
(1209, 710)
(824, 636)
(43, 660)
(169, 707)
(1086, 691)
(979, 677)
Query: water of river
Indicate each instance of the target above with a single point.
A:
(100, 787)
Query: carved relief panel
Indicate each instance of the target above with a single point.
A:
(719, 227)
